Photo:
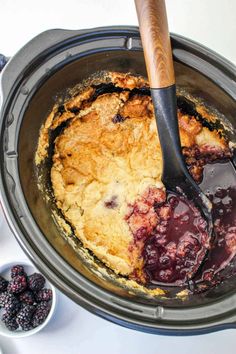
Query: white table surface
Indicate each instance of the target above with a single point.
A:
(74, 330)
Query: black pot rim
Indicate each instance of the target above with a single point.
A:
(148, 318)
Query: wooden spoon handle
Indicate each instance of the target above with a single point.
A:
(156, 42)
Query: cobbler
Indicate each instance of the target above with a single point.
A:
(106, 179)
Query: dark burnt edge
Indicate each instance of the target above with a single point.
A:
(61, 109)
(186, 106)
(99, 90)
(44, 169)
(102, 89)
(142, 91)
(74, 110)
(118, 118)
(54, 133)
(105, 88)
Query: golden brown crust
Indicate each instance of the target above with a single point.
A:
(43, 142)
(125, 80)
(96, 160)
(79, 99)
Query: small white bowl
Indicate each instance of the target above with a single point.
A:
(5, 271)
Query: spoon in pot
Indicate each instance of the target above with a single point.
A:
(159, 63)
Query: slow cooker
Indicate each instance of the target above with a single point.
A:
(31, 82)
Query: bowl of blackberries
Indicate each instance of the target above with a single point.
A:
(27, 300)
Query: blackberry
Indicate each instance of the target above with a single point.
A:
(17, 284)
(17, 270)
(27, 326)
(118, 119)
(27, 297)
(10, 321)
(3, 61)
(24, 317)
(36, 282)
(3, 284)
(44, 295)
(9, 302)
(41, 313)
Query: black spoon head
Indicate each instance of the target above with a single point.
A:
(188, 188)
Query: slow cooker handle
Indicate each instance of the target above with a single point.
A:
(37, 48)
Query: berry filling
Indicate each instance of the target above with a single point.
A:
(112, 203)
(142, 217)
(173, 238)
(224, 248)
(178, 244)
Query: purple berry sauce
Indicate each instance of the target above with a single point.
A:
(223, 250)
(178, 244)
(174, 252)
